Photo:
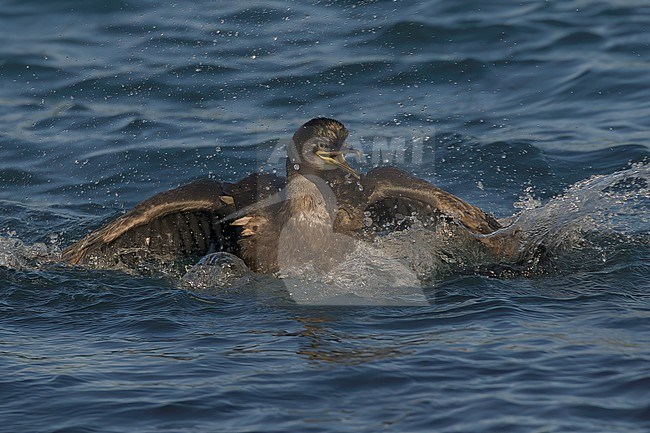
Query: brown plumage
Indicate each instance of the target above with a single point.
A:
(271, 223)
(175, 226)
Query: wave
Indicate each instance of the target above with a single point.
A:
(599, 223)
(585, 228)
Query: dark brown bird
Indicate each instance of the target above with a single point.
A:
(272, 224)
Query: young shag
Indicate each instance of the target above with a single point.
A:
(272, 223)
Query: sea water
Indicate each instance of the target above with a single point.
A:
(536, 111)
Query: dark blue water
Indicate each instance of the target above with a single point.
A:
(103, 104)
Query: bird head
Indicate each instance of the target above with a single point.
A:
(319, 145)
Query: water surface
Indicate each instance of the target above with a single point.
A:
(103, 104)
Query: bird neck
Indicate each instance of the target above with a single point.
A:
(309, 196)
(295, 168)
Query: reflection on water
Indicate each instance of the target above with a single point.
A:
(106, 103)
(320, 343)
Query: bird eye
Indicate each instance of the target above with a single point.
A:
(322, 146)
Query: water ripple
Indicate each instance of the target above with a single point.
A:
(106, 103)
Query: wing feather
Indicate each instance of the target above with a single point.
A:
(391, 185)
(181, 218)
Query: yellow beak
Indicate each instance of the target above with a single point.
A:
(337, 158)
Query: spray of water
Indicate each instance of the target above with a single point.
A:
(594, 222)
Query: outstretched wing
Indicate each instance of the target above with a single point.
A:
(173, 224)
(391, 194)
(186, 222)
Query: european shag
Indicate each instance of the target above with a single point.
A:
(271, 223)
